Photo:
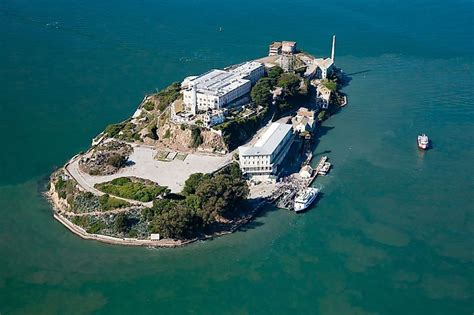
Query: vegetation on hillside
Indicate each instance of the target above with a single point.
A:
(108, 202)
(83, 202)
(261, 92)
(290, 83)
(133, 188)
(329, 84)
(168, 95)
(205, 200)
(196, 138)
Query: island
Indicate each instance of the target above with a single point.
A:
(201, 157)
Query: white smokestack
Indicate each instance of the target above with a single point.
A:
(333, 50)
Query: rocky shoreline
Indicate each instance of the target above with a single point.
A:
(60, 207)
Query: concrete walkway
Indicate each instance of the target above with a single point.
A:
(172, 174)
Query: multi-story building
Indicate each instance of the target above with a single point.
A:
(323, 96)
(288, 47)
(304, 120)
(217, 88)
(251, 70)
(274, 49)
(264, 158)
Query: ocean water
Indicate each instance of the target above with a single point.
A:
(393, 232)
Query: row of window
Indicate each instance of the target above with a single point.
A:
(253, 169)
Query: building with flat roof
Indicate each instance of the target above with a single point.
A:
(217, 88)
(264, 158)
(251, 70)
(274, 49)
(288, 47)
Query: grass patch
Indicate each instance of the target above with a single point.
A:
(108, 203)
(181, 156)
(135, 189)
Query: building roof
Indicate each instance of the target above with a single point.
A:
(323, 92)
(275, 45)
(324, 63)
(306, 171)
(270, 140)
(305, 112)
(247, 67)
(218, 82)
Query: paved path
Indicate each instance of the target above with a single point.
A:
(172, 174)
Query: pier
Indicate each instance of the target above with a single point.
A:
(288, 187)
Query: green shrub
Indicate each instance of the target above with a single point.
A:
(149, 106)
(329, 84)
(108, 203)
(114, 129)
(117, 160)
(137, 190)
(196, 138)
(96, 227)
(168, 95)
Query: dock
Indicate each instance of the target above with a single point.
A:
(289, 186)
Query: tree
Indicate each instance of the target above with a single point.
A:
(196, 138)
(289, 82)
(220, 195)
(117, 160)
(192, 183)
(177, 223)
(274, 73)
(122, 223)
(260, 93)
(329, 84)
(322, 115)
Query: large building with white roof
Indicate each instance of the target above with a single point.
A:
(264, 158)
(217, 88)
(251, 70)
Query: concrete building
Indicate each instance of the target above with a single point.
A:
(213, 117)
(274, 49)
(288, 47)
(304, 120)
(306, 172)
(251, 70)
(217, 88)
(323, 96)
(263, 159)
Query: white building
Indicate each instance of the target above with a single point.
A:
(306, 172)
(274, 49)
(213, 117)
(323, 96)
(288, 47)
(251, 70)
(264, 158)
(217, 88)
(304, 120)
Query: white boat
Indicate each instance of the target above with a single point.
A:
(305, 198)
(423, 141)
(325, 169)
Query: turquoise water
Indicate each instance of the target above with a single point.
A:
(393, 232)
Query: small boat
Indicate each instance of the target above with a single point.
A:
(324, 169)
(423, 141)
(305, 198)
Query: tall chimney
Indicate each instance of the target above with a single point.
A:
(333, 50)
